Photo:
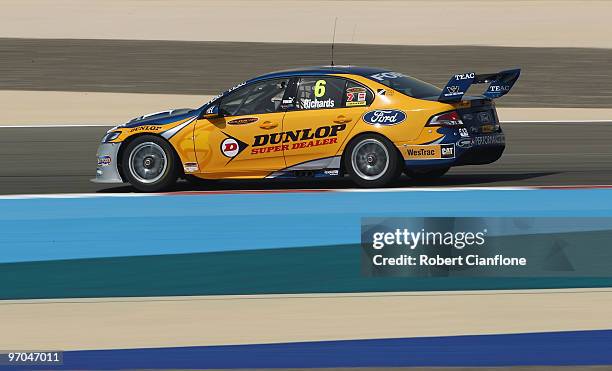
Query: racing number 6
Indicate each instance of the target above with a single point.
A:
(319, 88)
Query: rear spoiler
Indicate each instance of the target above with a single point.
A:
(499, 84)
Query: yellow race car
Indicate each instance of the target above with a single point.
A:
(370, 123)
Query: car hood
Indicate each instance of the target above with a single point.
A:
(163, 117)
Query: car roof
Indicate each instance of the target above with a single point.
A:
(322, 70)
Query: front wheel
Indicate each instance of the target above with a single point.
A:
(372, 161)
(149, 164)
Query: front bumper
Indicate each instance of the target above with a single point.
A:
(107, 170)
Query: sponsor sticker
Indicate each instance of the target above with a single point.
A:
(465, 76)
(356, 89)
(447, 150)
(296, 139)
(331, 172)
(465, 143)
(230, 147)
(499, 88)
(487, 129)
(486, 140)
(353, 104)
(190, 167)
(453, 90)
(430, 152)
(243, 121)
(104, 160)
(463, 132)
(222, 94)
(384, 117)
(355, 97)
(145, 128)
(386, 76)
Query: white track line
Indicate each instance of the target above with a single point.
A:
(289, 191)
(76, 195)
(502, 122)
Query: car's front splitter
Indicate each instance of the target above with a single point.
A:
(107, 170)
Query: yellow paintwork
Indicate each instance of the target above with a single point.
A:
(199, 144)
(209, 136)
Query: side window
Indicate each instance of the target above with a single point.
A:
(357, 95)
(230, 104)
(320, 92)
(262, 97)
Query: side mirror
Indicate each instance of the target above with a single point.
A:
(211, 112)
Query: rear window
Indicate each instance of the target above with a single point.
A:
(407, 85)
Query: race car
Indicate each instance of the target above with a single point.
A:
(371, 124)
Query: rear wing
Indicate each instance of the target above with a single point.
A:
(499, 84)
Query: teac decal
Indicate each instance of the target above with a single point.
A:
(384, 117)
(499, 88)
(465, 76)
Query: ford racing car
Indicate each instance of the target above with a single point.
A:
(371, 124)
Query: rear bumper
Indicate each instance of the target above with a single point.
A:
(473, 150)
(107, 170)
(480, 155)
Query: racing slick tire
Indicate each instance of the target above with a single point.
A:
(150, 164)
(372, 161)
(427, 173)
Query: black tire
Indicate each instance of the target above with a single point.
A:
(150, 164)
(427, 173)
(372, 161)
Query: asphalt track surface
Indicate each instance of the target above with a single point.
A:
(38, 160)
(551, 77)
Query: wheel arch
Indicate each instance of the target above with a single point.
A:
(357, 137)
(131, 138)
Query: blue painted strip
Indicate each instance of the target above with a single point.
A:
(556, 349)
(51, 229)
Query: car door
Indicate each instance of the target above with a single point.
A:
(326, 108)
(230, 146)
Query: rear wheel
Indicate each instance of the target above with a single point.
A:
(372, 161)
(149, 164)
(426, 173)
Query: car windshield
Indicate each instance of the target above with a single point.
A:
(407, 85)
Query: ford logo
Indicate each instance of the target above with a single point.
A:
(465, 143)
(384, 117)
